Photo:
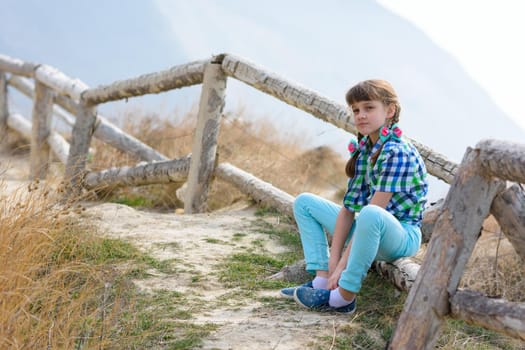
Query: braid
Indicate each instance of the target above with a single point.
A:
(350, 165)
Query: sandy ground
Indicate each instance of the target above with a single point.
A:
(199, 243)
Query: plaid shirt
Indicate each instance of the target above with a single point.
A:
(399, 169)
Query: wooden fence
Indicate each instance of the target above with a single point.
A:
(478, 186)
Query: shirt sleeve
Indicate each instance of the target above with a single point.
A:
(396, 170)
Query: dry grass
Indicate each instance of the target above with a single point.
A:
(256, 149)
(59, 285)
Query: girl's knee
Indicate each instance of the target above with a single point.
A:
(370, 213)
(302, 200)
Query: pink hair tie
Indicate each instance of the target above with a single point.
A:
(352, 147)
(397, 131)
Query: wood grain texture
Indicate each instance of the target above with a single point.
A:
(496, 314)
(41, 129)
(78, 151)
(59, 82)
(153, 83)
(262, 192)
(16, 66)
(503, 159)
(204, 148)
(508, 209)
(163, 172)
(466, 206)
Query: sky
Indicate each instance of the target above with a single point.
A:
(305, 41)
(485, 36)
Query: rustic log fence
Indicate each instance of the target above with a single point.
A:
(478, 186)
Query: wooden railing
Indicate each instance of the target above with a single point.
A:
(459, 217)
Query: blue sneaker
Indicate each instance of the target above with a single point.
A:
(288, 292)
(317, 299)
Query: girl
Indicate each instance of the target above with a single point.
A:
(382, 209)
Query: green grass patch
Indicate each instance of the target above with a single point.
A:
(215, 241)
(161, 319)
(250, 271)
(133, 201)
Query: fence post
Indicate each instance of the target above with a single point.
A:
(459, 225)
(205, 139)
(81, 135)
(4, 111)
(41, 129)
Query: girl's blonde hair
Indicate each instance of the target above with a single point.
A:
(371, 90)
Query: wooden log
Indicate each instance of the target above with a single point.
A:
(508, 208)
(401, 273)
(26, 87)
(59, 82)
(57, 143)
(153, 83)
(104, 129)
(4, 110)
(496, 314)
(78, 152)
(262, 192)
(16, 66)
(292, 93)
(320, 107)
(466, 206)
(59, 146)
(164, 172)
(41, 129)
(503, 159)
(430, 216)
(20, 124)
(295, 273)
(204, 147)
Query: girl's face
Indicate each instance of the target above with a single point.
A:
(370, 116)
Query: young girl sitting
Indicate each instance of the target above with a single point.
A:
(382, 209)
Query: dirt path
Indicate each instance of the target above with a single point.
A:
(197, 244)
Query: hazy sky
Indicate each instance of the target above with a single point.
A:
(487, 37)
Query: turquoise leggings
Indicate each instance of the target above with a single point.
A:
(377, 235)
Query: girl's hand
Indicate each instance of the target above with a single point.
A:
(332, 264)
(333, 280)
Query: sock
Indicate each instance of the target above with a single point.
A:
(337, 300)
(320, 282)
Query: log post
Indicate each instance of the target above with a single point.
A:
(466, 206)
(41, 129)
(4, 110)
(78, 151)
(508, 209)
(205, 139)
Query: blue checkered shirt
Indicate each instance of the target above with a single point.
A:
(399, 169)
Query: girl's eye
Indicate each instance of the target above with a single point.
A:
(369, 107)
(355, 111)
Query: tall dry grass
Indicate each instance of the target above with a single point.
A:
(254, 147)
(58, 286)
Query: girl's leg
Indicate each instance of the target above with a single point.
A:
(312, 214)
(378, 235)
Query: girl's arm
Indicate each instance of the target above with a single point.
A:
(343, 223)
(380, 199)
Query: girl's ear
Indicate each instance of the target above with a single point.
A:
(391, 111)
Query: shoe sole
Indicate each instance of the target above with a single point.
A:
(286, 295)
